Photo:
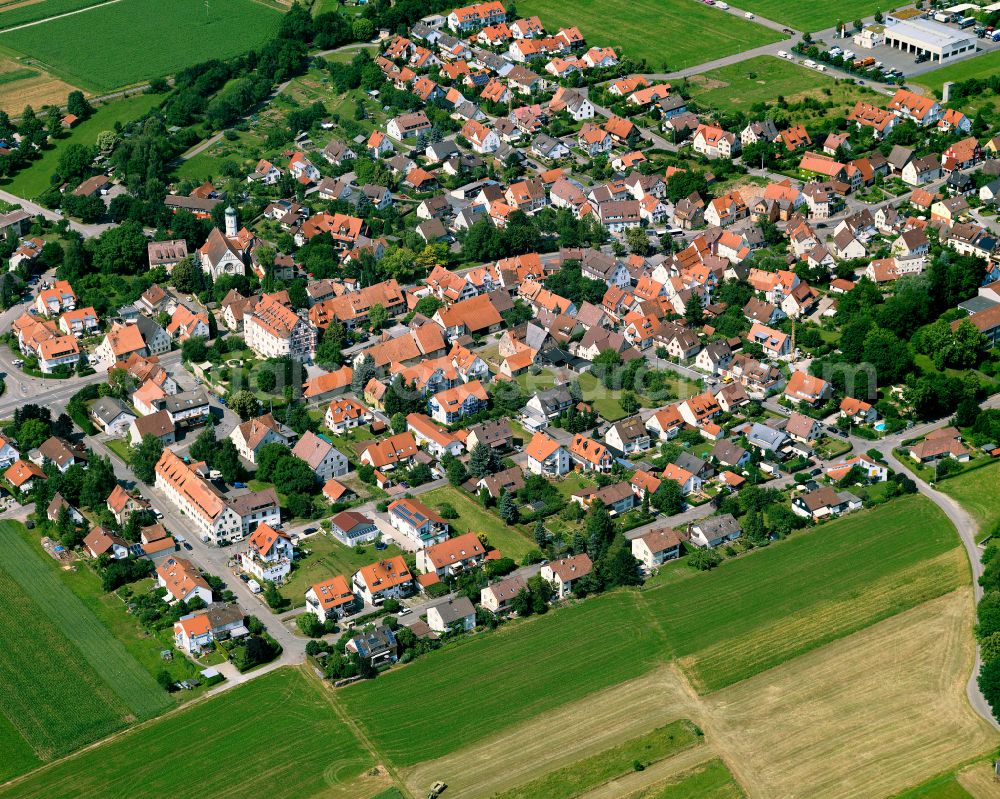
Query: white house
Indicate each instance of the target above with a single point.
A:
(269, 554)
(714, 530)
(330, 599)
(564, 573)
(656, 547)
(546, 456)
(452, 615)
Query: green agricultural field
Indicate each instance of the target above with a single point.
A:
(327, 558)
(668, 34)
(814, 17)
(37, 178)
(134, 40)
(18, 756)
(550, 660)
(753, 613)
(710, 780)
(474, 518)
(748, 615)
(943, 787)
(738, 87)
(974, 491)
(583, 775)
(981, 66)
(19, 13)
(278, 736)
(70, 661)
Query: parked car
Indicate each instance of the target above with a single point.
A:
(748, 15)
(239, 485)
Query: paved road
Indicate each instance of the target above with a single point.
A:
(87, 231)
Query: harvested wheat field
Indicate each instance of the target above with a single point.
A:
(560, 737)
(979, 780)
(869, 715)
(22, 85)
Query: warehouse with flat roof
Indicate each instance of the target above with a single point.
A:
(919, 36)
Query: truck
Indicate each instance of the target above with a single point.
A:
(849, 55)
(864, 62)
(809, 63)
(782, 54)
(941, 16)
(967, 22)
(821, 67)
(996, 36)
(254, 586)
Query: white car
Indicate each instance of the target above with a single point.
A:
(748, 15)
(723, 6)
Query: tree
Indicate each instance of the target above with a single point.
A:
(753, 527)
(482, 460)
(292, 475)
(694, 312)
(144, 457)
(266, 380)
(398, 422)
(243, 403)
(456, 471)
(508, 508)
(989, 684)
(364, 372)
(668, 498)
(377, 317)
(121, 250)
(32, 433)
(204, 445)
(637, 240)
(227, 460)
(704, 559)
(310, 625)
(541, 537)
(628, 402)
(363, 29)
(74, 162)
(600, 529)
(77, 105)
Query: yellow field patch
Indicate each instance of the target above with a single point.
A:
(980, 780)
(36, 91)
(787, 637)
(868, 715)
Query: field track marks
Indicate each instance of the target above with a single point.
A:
(60, 16)
(559, 738)
(632, 783)
(868, 715)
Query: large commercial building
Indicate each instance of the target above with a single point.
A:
(919, 36)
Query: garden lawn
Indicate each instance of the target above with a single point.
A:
(710, 780)
(523, 669)
(37, 177)
(474, 518)
(813, 17)
(277, 736)
(668, 34)
(135, 40)
(738, 87)
(975, 491)
(755, 612)
(578, 777)
(327, 558)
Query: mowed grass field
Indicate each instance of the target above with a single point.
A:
(974, 491)
(814, 17)
(762, 79)
(135, 40)
(278, 736)
(710, 780)
(666, 33)
(981, 66)
(746, 616)
(753, 613)
(65, 679)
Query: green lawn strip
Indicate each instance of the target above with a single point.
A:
(18, 756)
(979, 67)
(975, 491)
(591, 772)
(530, 667)
(121, 448)
(944, 786)
(474, 518)
(834, 563)
(711, 780)
(36, 178)
(276, 736)
(327, 558)
(15, 75)
(104, 652)
(51, 694)
(134, 40)
(649, 29)
(813, 17)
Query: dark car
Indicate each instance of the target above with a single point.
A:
(309, 531)
(244, 578)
